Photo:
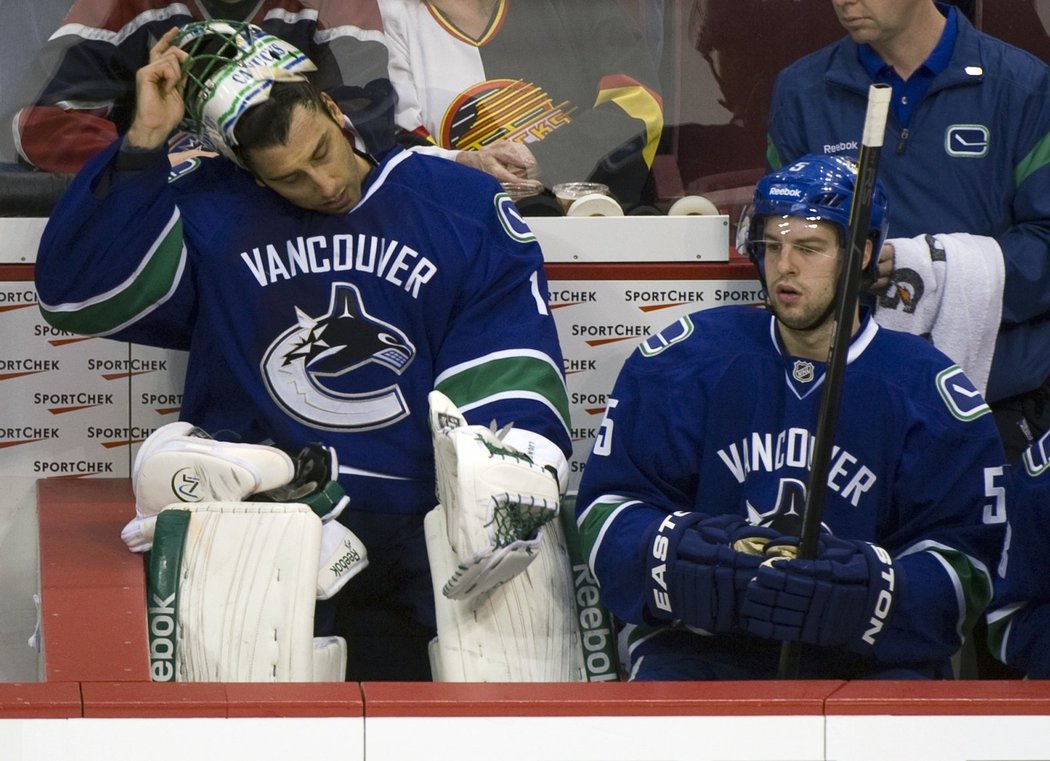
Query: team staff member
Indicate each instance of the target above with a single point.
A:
(321, 296)
(966, 152)
(699, 471)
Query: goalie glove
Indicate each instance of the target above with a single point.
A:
(343, 555)
(180, 463)
(496, 501)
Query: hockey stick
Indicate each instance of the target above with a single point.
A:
(846, 307)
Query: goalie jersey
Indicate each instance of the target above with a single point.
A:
(305, 327)
(711, 415)
(572, 79)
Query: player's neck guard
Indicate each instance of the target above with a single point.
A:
(231, 67)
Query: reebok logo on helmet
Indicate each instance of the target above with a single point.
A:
(786, 192)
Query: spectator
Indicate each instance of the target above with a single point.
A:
(321, 295)
(699, 471)
(89, 67)
(570, 80)
(964, 154)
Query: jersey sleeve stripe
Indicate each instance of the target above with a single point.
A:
(969, 577)
(147, 288)
(507, 375)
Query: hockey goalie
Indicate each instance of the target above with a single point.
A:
(502, 580)
(242, 540)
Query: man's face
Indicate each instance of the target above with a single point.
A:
(316, 169)
(875, 21)
(801, 264)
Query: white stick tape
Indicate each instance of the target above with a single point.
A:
(692, 205)
(594, 205)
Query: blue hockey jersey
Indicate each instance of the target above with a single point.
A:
(305, 327)
(1019, 616)
(972, 159)
(712, 416)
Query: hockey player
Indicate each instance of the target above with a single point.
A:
(1019, 616)
(321, 297)
(690, 501)
(569, 82)
(89, 67)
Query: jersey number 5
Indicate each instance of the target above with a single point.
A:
(994, 512)
(603, 439)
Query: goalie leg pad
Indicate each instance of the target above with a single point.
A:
(526, 630)
(243, 609)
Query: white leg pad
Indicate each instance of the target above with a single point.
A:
(525, 630)
(245, 602)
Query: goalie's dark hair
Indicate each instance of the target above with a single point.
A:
(269, 123)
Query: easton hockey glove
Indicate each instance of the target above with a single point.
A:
(843, 599)
(496, 501)
(695, 574)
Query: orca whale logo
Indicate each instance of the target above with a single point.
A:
(316, 349)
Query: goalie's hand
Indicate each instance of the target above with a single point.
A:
(496, 501)
(315, 484)
(843, 599)
(699, 567)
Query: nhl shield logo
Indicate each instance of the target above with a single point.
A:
(803, 372)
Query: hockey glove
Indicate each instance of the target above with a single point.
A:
(496, 501)
(180, 463)
(695, 574)
(843, 599)
(343, 555)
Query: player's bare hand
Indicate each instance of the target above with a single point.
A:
(882, 281)
(505, 160)
(158, 95)
(177, 157)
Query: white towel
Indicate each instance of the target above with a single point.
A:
(948, 288)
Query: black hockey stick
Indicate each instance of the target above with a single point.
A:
(845, 308)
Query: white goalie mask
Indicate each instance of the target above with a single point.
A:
(231, 67)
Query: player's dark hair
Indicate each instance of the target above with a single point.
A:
(269, 123)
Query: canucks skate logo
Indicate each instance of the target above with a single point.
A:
(347, 338)
(961, 397)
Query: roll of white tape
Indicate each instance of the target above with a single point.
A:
(692, 205)
(594, 205)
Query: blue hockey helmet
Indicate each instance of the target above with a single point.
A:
(815, 187)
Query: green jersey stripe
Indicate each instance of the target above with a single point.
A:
(151, 285)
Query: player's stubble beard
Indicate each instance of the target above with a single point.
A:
(807, 321)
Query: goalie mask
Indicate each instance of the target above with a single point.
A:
(817, 188)
(231, 67)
